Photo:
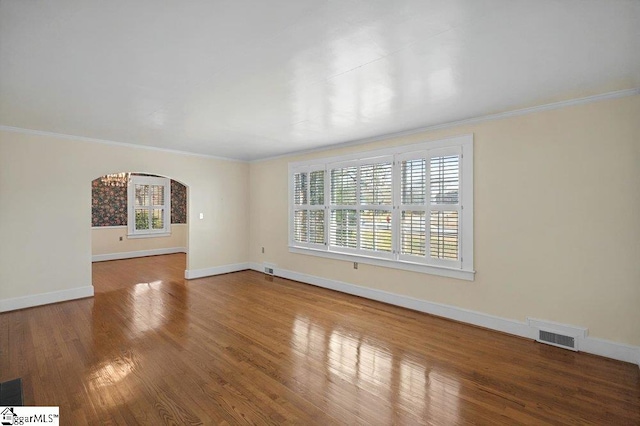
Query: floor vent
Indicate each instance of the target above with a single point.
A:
(556, 339)
(269, 268)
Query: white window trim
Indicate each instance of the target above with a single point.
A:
(149, 233)
(463, 143)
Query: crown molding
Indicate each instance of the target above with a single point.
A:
(113, 143)
(467, 121)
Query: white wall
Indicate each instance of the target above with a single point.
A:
(45, 208)
(557, 229)
(106, 240)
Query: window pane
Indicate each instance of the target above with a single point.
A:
(300, 226)
(157, 219)
(375, 183)
(300, 188)
(316, 226)
(142, 195)
(157, 195)
(445, 179)
(375, 230)
(343, 228)
(343, 186)
(316, 187)
(142, 218)
(413, 178)
(443, 235)
(413, 233)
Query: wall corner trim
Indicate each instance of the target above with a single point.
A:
(191, 274)
(140, 253)
(592, 345)
(45, 298)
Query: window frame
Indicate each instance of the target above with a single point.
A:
(461, 268)
(131, 207)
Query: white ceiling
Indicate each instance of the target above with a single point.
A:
(250, 79)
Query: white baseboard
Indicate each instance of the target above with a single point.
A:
(610, 349)
(45, 298)
(606, 348)
(190, 274)
(140, 253)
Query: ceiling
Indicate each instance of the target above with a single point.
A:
(250, 79)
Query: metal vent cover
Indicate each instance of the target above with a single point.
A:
(556, 339)
(268, 271)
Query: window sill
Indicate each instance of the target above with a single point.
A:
(155, 235)
(407, 266)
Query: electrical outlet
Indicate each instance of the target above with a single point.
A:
(355, 265)
(262, 249)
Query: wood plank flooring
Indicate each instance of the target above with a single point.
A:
(244, 348)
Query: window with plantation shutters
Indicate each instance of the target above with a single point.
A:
(343, 215)
(308, 225)
(376, 204)
(444, 206)
(429, 206)
(361, 206)
(408, 207)
(413, 172)
(149, 206)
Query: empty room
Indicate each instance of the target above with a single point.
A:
(320, 212)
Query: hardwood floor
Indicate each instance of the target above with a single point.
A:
(153, 348)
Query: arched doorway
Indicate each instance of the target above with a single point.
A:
(138, 215)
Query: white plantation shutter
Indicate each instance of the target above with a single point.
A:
(413, 232)
(344, 183)
(316, 188)
(375, 230)
(361, 205)
(375, 184)
(443, 234)
(149, 205)
(300, 227)
(430, 207)
(413, 175)
(158, 207)
(376, 204)
(343, 221)
(308, 224)
(405, 207)
(300, 189)
(444, 207)
(343, 228)
(444, 179)
(316, 208)
(300, 219)
(316, 227)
